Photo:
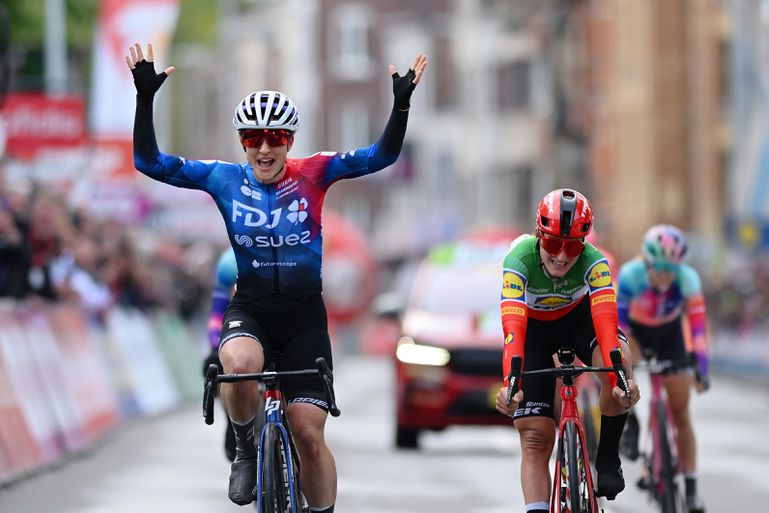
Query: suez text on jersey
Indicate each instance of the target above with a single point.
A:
(254, 218)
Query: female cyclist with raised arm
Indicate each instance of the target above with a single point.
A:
(557, 291)
(272, 207)
(659, 299)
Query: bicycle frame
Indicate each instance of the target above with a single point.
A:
(570, 414)
(274, 419)
(568, 372)
(662, 463)
(274, 414)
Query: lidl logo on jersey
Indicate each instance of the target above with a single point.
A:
(599, 276)
(512, 285)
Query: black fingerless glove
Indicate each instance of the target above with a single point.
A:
(403, 86)
(146, 81)
(213, 357)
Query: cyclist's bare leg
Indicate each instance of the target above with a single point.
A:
(537, 436)
(318, 479)
(241, 355)
(677, 387)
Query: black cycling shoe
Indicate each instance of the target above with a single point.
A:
(243, 480)
(694, 504)
(610, 482)
(628, 444)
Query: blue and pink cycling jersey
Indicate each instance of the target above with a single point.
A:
(639, 302)
(274, 229)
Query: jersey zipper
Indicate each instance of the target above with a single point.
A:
(276, 267)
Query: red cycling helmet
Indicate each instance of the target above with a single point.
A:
(565, 213)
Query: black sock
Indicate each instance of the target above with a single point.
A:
(608, 443)
(690, 483)
(244, 439)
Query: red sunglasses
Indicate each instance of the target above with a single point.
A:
(554, 245)
(274, 138)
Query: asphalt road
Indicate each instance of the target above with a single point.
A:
(175, 462)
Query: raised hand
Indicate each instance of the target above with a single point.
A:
(147, 82)
(404, 85)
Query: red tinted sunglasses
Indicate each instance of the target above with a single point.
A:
(554, 245)
(254, 138)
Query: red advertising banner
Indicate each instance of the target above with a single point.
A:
(36, 121)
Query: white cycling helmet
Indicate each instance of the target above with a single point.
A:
(266, 109)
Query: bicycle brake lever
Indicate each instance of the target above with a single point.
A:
(619, 369)
(513, 378)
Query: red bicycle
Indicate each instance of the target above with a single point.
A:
(573, 485)
(661, 473)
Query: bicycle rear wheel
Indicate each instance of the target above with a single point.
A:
(668, 492)
(276, 492)
(575, 494)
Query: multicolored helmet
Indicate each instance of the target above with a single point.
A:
(266, 110)
(565, 213)
(664, 243)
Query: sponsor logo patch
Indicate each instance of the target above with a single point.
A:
(608, 298)
(513, 310)
(509, 339)
(552, 301)
(599, 276)
(512, 286)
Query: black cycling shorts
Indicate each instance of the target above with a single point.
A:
(543, 339)
(666, 341)
(298, 332)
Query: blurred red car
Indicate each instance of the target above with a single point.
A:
(448, 361)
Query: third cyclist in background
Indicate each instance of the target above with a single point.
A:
(662, 307)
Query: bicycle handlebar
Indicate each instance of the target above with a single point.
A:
(566, 371)
(213, 377)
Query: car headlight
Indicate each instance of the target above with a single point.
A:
(409, 351)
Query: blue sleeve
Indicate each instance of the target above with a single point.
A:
(690, 281)
(625, 294)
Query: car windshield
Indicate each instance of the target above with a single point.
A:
(458, 289)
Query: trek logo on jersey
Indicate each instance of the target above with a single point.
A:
(512, 285)
(599, 276)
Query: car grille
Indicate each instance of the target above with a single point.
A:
(476, 362)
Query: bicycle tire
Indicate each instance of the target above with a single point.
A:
(667, 491)
(276, 489)
(575, 493)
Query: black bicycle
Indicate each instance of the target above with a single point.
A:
(277, 481)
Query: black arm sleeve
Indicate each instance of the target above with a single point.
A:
(391, 141)
(145, 144)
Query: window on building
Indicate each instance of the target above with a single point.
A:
(350, 41)
(514, 85)
(354, 129)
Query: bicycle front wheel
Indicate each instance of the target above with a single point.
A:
(668, 494)
(575, 494)
(276, 492)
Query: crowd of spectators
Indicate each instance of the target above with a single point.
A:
(52, 252)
